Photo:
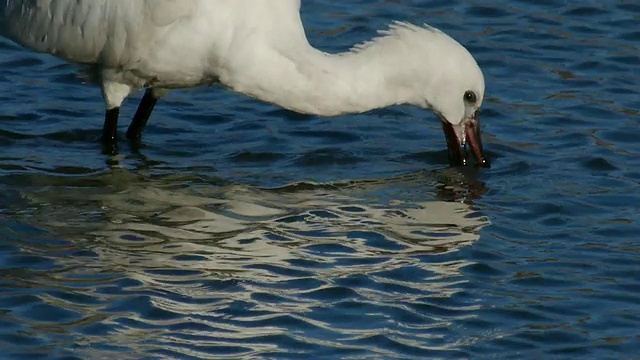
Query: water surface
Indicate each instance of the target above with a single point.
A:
(242, 231)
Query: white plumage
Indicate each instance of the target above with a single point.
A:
(255, 47)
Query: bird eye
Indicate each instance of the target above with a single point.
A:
(470, 97)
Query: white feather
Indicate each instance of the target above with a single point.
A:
(256, 47)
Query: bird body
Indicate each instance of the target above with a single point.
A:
(255, 47)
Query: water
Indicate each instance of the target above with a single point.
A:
(242, 231)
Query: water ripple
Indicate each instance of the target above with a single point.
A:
(240, 230)
(231, 271)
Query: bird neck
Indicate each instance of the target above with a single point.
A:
(303, 79)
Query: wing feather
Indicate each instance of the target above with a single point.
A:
(110, 33)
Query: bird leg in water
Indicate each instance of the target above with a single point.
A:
(110, 131)
(142, 115)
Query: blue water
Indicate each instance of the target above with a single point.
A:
(242, 231)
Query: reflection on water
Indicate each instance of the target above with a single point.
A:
(190, 247)
(239, 270)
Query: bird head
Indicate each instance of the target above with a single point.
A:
(446, 79)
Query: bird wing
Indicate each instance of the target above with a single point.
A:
(66, 28)
(166, 12)
(111, 33)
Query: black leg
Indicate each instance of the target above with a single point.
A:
(110, 131)
(142, 115)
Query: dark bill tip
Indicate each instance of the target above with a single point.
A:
(474, 139)
(457, 156)
(484, 163)
(457, 153)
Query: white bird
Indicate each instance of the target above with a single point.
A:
(255, 47)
